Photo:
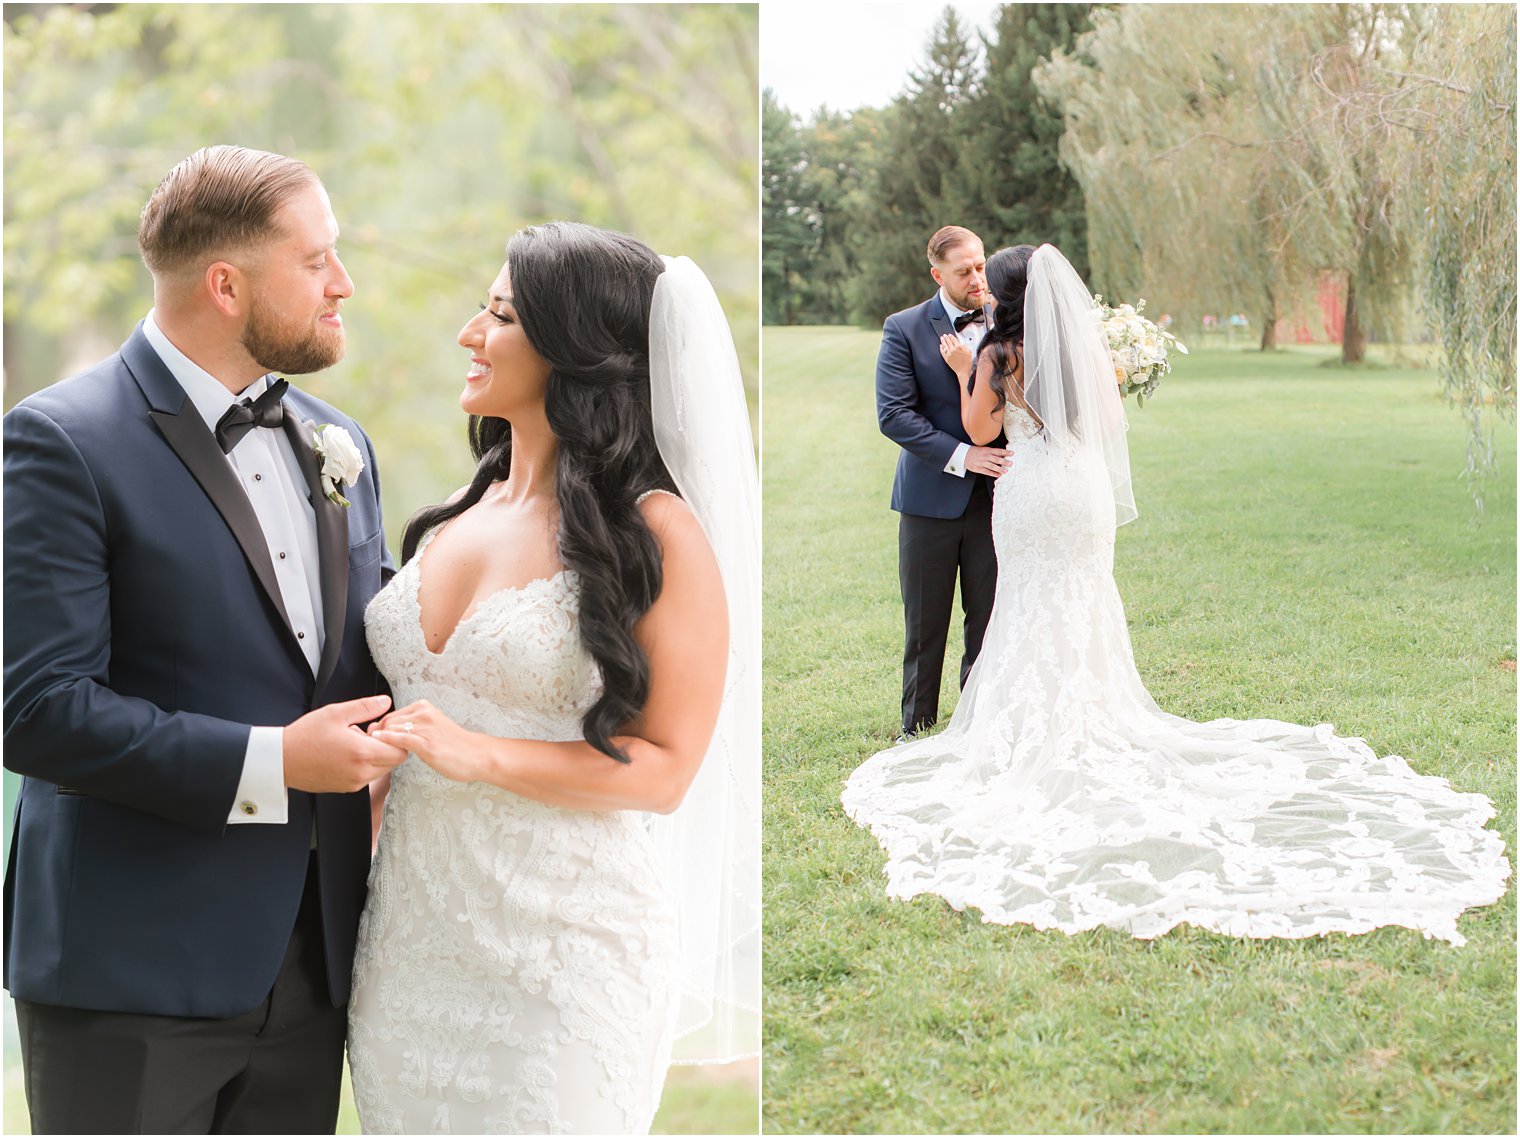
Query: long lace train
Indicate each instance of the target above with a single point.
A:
(1061, 796)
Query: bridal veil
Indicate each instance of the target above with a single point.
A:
(708, 850)
(1069, 381)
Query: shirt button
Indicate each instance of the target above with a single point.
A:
(282, 555)
(249, 808)
(258, 478)
(300, 636)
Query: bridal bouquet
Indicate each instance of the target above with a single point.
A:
(1137, 347)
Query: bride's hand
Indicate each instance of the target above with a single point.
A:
(957, 353)
(434, 738)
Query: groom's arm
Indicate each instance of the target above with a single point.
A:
(63, 724)
(897, 402)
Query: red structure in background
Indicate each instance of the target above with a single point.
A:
(1330, 296)
(1332, 305)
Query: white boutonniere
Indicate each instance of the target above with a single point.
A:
(341, 461)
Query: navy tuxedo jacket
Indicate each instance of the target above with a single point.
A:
(918, 404)
(144, 634)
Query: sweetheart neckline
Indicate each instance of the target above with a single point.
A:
(479, 606)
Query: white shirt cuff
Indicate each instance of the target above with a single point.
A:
(261, 791)
(957, 463)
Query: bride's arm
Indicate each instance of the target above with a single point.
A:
(981, 413)
(685, 636)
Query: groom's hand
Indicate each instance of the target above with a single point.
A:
(988, 460)
(326, 754)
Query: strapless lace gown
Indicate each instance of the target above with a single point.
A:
(1062, 797)
(516, 962)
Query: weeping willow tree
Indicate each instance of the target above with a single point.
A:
(1338, 125)
(1161, 130)
(1229, 154)
(1465, 66)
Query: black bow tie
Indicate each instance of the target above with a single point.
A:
(246, 414)
(976, 316)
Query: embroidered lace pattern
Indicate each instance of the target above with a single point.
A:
(515, 963)
(1062, 797)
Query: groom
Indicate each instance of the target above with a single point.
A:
(184, 664)
(943, 488)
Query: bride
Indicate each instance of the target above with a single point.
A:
(1060, 795)
(572, 644)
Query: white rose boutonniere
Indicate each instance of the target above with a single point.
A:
(341, 461)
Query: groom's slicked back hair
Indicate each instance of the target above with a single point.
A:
(949, 237)
(219, 198)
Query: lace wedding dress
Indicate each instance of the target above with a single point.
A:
(1062, 797)
(516, 968)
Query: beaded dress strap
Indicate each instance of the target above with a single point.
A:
(639, 501)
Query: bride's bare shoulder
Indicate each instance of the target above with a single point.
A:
(676, 528)
(663, 510)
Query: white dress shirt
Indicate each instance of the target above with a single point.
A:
(971, 335)
(267, 470)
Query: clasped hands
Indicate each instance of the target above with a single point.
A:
(434, 738)
(327, 751)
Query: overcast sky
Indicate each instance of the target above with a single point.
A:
(849, 55)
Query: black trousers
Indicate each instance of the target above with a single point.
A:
(931, 552)
(277, 1069)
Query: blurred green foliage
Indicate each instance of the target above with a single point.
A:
(850, 199)
(439, 131)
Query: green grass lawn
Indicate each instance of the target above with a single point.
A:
(1305, 551)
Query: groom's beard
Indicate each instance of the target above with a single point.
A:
(277, 347)
(966, 302)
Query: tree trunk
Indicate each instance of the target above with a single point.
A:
(1269, 324)
(1353, 335)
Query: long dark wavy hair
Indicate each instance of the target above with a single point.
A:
(1003, 344)
(583, 296)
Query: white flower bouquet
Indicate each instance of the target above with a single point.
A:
(1137, 347)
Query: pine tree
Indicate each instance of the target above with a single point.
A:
(834, 144)
(789, 241)
(913, 183)
(1022, 193)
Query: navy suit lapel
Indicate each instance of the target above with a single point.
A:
(940, 325)
(187, 434)
(332, 543)
(938, 317)
(197, 449)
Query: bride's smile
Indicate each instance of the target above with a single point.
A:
(556, 644)
(506, 374)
